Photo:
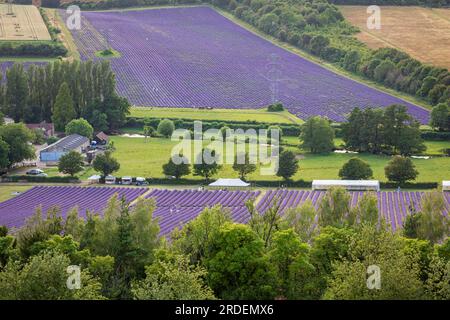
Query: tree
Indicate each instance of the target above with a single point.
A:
(302, 220)
(4, 151)
(44, 277)
(400, 271)
(317, 135)
(400, 169)
(81, 127)
(166, 127)
(237, 266)
(288, 165)
(16, 93)
(440, 117)
(18, 138)
(356, 169)
(63, 109)
(432, 224)
(177, 170)
(242, 165)
(149, 131)
(171, 277)
(334, 209)
(206, 164)
(195, 238)
(105, 163)
(71, 163)
(291, 260)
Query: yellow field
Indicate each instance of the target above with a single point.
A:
(423, 33)
(22, 22)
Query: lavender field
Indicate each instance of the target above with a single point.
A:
(174, 208)
(15, 211)
(195, 57)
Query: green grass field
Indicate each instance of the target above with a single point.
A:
(259, 115)
(7, 190)
(140, 158)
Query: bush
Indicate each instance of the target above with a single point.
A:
(276, 107)
(166, 127)
(400, 169)
(356, 169)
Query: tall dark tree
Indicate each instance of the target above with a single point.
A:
(17, 93)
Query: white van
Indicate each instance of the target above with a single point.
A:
(110, 180)
(127, 180)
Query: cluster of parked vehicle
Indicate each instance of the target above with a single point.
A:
(37, 173)
(139, 181)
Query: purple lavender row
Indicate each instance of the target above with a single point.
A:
(15, 211)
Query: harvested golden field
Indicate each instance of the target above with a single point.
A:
(423, 33)
(22, 22)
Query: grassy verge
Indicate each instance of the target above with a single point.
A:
(259, 115)
(66, 35)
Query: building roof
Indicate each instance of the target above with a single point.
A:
(229, 183)
(68, 143)
(446, 183)
(344, 183)
(102, 136)
(43, 125)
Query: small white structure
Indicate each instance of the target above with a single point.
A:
(127, 180)
(229, 183)
(94, 179)
(354, 185)
(446, 185)
(141, 181)
(110, 180)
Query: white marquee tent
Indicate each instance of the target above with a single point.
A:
(229, 183)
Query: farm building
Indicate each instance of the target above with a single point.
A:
(51, 154)
(101, 138)
(47, 128)
(355, 185)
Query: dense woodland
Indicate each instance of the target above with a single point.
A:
(273, 256)
(61, 91)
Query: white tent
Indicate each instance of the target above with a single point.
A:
(347, 184)
(446, 185)
(229, 183)
(94, 179)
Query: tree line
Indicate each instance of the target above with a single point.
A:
(306, 253)
(61, 91)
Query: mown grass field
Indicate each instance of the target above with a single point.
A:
(258, 115)
(6, 191)
(140, 158)
(424, 33)
(25, 23)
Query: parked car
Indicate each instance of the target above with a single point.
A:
(35, 172)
